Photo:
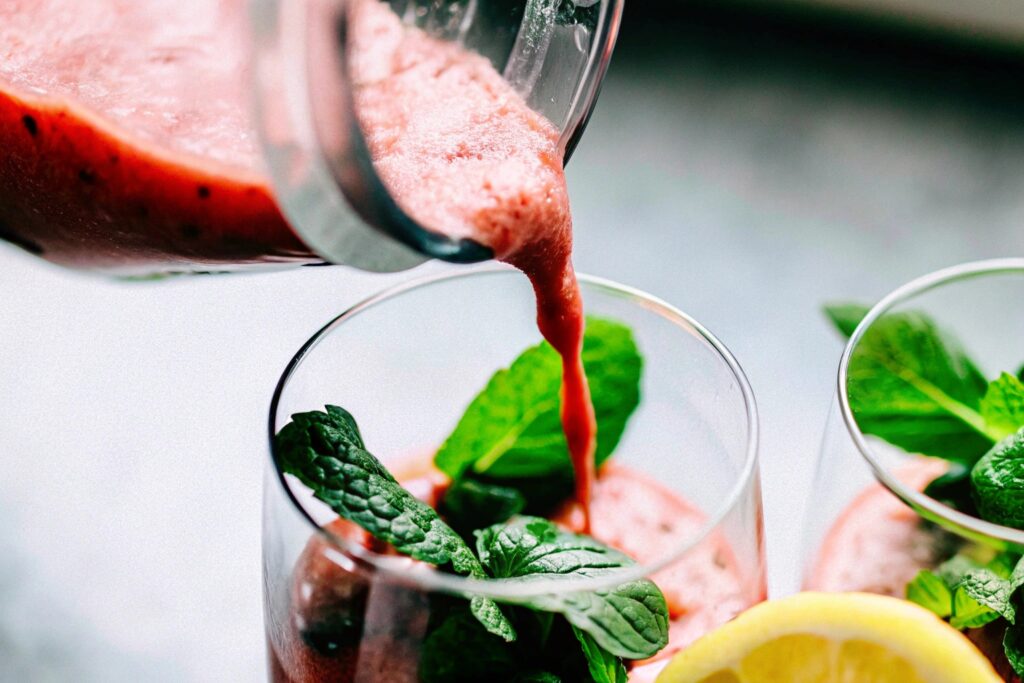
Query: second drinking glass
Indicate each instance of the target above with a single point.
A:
(678, 493)
(928, 385)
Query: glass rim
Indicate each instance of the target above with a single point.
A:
(352, 555)
(928, 507)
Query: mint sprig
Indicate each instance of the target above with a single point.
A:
(513, 428)
(972, 595)
(912, 385)
(628, 620)
(325, 451)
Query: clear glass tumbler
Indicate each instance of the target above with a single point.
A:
(871, 527)
(406, 363)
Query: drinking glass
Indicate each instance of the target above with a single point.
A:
(870, 525)
(406, 363)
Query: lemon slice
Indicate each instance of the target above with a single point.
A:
(832, 638)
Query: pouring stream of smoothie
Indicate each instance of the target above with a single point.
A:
(465, 155)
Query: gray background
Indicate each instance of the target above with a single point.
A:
(745, 170)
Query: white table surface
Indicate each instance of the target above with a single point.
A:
(132, 416)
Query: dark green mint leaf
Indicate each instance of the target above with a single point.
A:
(529, 546)
(912, 385)
(604, 667)
(629, 620)
(954, 488)
(1003, 405)
(846, 317)
(931, 592)
(325, 451)
(542, 495)
(1013, 646)
(460, 651)
(469, 505)
(513, 427)
(998, 481)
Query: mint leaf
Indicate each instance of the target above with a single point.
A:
(1003, 405)
(325, 451)
(969, 613)
(846, 317)
(928, 590)
(629, 620)
(912, 385)
(529, 546)
(1013, 646)
(468, 505)
(953, 488)
(513, 427)
(990, 590)
(459, 651)
(998, 481)
(604, 667)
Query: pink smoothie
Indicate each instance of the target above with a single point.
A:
(464, 154)
(878, 544)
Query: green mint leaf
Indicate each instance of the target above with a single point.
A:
(469, 505)
(460, 651)
(990, 590)
(846, 317)
(604, 667)
(1013, 646)
(513, 427)
(969, 613)
(325, 451)
(1003, 405)
(954, 488)
(928, 590)
(912, 385)
(629, 620)
(998, 481)
(529, 546)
